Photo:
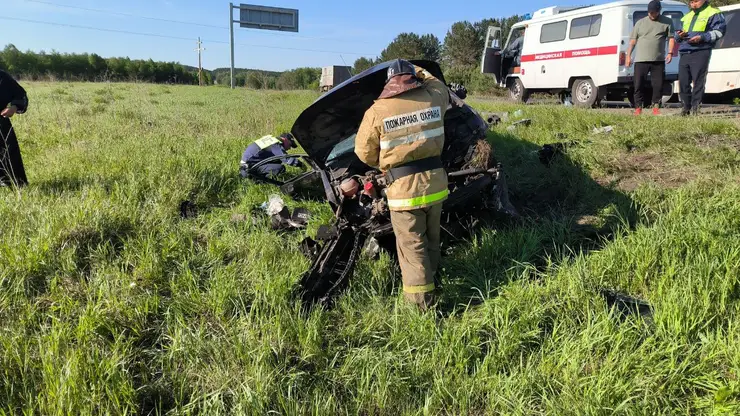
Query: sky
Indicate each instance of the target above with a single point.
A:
(329, 32)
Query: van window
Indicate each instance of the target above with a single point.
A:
(731, 39)
(676, 19)
(553, 32)
(585, 27)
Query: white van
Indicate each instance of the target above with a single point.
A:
(576, 51)
(723, 80)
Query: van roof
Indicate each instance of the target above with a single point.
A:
(731, 7)
(578, 11)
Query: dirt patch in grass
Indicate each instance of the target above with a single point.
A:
(631, 170)
(713, 141)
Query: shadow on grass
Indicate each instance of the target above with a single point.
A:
(564, 212)
(213, 189)
(73, 184)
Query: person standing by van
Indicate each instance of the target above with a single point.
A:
(702, 27)
(649, 36)
(514, 50)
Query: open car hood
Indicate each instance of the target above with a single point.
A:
(337, 115)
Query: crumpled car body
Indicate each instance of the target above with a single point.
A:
(326, 130)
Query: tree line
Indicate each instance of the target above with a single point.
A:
(295, 79)
(92, 67)
(459, 54)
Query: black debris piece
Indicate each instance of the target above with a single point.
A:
(301, 216)
(626, 305)
(458, 90)
(549, 151)
(310, 248)
(491, 119)
(327, 232)
(283, 221)
(188, 209)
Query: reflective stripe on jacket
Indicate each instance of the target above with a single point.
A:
(707, 22)
(406, 128)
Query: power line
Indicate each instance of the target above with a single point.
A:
(127, 32)
(110, 12)
(159, 19)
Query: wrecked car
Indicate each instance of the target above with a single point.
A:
(326, 130)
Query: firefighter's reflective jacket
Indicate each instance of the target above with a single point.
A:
(404, 129)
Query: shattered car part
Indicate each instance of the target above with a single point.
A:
(310, 248)
(458, 90)
(491, 119)
(326, 131)
(521, 123)
(284, 221)
(188, 209)
(626, 305)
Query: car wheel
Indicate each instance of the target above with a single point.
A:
(517, 92)
(585, 93)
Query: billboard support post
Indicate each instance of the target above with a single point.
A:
(260, 17)
(231, 32)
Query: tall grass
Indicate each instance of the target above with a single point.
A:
(111, 303)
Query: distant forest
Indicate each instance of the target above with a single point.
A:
(92, 67)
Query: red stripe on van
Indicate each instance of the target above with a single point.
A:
(576, 53)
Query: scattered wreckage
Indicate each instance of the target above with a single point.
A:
(326, 130)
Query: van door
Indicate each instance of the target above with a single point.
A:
(491, 60)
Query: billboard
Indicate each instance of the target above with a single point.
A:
(268, 18)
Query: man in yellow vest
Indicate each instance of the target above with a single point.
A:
(266, 147)
(403, 135)
(702, 27)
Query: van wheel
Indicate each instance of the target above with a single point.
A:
(517, 92)
(584, 93)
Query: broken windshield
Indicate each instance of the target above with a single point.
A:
(345, 146)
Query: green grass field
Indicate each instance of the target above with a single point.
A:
(111, 303)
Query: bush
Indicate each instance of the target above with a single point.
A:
(471, 77)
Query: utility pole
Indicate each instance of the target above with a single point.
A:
(231, 35)
(200, 62)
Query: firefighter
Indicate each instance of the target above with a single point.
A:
(13, 100)
(402, 135)
(702, 27)
(266, 147)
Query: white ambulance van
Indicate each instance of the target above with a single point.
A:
(723, 80)
(578, 52)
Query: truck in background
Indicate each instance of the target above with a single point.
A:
(577, 52)
(333, 75)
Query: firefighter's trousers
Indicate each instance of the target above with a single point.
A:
(419, 253)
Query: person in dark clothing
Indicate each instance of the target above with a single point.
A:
(266, 147)
(13, 100)
(514, 50)
(702, 27)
